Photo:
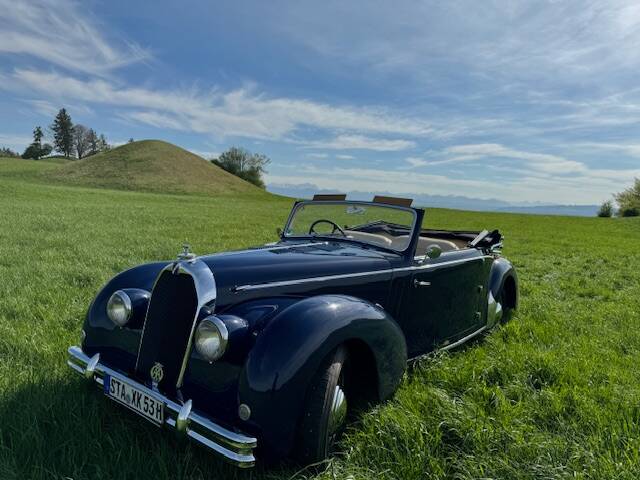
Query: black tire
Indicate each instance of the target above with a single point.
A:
(315, 437)
(507, 312)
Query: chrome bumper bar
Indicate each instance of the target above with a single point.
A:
(233, 447)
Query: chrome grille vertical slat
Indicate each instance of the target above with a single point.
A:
(180, 291)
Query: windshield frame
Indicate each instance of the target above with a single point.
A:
(301, 203)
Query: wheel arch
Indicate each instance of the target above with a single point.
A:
(363, 377)
(503, 278)
(292, 348)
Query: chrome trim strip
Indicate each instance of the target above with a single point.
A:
(270, 248)
(325, 278)
(450, 346)
(234, 447)
(426, 266)
(464, 339)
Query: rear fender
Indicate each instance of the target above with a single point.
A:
(291, 349)
(503, 271)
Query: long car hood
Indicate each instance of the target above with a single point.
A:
(289, 261)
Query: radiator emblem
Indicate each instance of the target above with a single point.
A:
(157, 372)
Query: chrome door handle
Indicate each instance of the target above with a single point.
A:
(417, 283)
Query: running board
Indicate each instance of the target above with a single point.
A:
(450, 346)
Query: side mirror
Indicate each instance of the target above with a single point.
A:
(433, 251)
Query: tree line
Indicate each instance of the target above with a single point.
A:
(628, 203)
(67, 139)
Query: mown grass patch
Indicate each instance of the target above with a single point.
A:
(552, 394)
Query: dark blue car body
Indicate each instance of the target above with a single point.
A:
(287, 306)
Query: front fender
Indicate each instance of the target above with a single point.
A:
(118, 346)
(291, 349)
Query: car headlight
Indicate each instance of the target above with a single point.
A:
(211, 338)
(119, 308)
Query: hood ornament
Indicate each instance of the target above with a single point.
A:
(186, 253)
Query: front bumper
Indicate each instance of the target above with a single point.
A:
(233, 447)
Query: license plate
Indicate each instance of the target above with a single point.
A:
(137, 400)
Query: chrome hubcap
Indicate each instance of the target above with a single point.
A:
(338, 413)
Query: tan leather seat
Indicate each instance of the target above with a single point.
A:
(423, 244)
(372, 238)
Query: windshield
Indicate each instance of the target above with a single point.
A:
(384, 226)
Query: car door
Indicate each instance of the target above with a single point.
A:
(444, 301)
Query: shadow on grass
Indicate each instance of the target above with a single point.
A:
(65, 428)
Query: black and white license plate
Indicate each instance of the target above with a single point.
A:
(137, 400)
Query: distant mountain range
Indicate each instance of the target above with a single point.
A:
(457, 202)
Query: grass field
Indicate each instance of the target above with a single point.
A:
(553, 394)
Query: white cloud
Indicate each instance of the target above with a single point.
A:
(416, 162)
(536, 161)
(631, 149)
(15, 141)
(43, 107)
(586, 188)
(60, 33)
(345, 157)
(361, 142)
(240, 112)
(510, 40)
(317, 155)
(369, 179)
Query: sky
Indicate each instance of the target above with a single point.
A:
(533, 101)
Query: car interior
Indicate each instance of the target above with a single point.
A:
(395, 237)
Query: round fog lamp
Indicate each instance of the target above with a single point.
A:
(119, 308)
(211, 338)
(244, 412)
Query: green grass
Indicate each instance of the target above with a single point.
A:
(552, 394)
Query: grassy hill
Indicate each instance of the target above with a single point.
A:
(553, 394)
(152, 166)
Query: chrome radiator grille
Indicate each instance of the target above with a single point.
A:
(168, 327)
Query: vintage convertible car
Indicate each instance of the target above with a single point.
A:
(263, 352)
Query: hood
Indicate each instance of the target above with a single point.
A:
(290, 261)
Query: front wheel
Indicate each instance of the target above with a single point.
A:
(325, 411)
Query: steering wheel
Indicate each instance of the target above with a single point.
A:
(333, 224)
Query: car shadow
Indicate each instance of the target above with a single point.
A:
(64, 427)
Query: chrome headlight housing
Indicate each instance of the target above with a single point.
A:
(119, 308)
(211, 338)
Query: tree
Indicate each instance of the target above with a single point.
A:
(81, 140)
(37, 136)
(244, 164)
(629, 200)
(92, 141)
(606, 209)
(102, 144)
(62, 128)
(35, 153)
(7, 152)
(37, 150)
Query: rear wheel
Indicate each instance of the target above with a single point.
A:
(504, 303)
(325, 411)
